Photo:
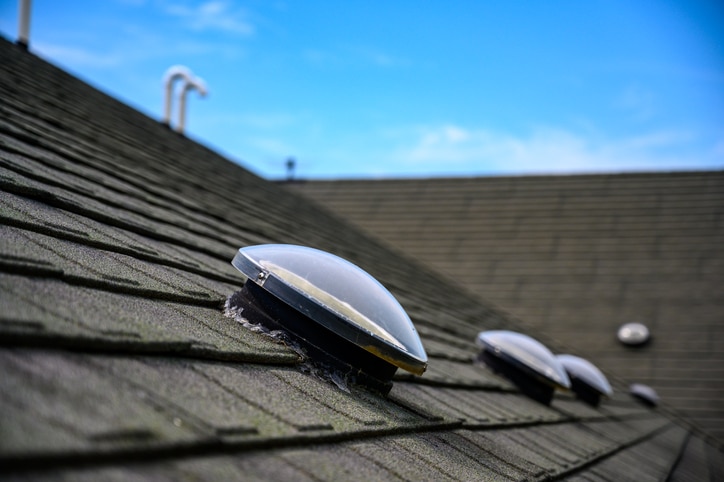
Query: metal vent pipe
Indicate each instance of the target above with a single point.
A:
(194, 83)
(24, 24)
(172, 75)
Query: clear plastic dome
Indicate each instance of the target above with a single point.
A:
(644, 393)
(527, 353)
(338, 295)
(587, 372)
(633, 334)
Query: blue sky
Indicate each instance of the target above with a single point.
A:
(414, 88)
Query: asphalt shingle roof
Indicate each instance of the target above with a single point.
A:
(117, 362)
(575, 257)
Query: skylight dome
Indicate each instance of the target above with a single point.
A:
(633, 334)
(587, 381)
(525, 361)
(644, 393)
(338, 297)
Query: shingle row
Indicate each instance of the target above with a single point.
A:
(117, 362)
(576, 257)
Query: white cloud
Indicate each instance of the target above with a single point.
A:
(450, 150)
(213, 15)
(77, 57)
(137, 44)
(552, 150)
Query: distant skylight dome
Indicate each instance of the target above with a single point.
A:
(331, 305)
(525, 361)
(644, 393)
(633, 334)
(587, 381)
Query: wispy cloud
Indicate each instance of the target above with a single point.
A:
(450, 149)
(549, 150)
(130, 48)
(78, 57)
(213, 15)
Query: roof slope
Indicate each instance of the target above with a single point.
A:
(576, 257)
(116, 360)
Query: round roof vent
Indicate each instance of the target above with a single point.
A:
(524, 361)
(332, 307)
(587, 381)
(633, 334)
(644, 394)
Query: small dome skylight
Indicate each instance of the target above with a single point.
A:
(339, 298)
(644, 393)
(525, 361)
(587, 381)
(633, 334)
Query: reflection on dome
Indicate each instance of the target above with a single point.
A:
(330, 301)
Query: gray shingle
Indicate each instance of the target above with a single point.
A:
(574, 256)
(55, 313)
(118, 363)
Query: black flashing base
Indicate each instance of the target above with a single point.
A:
(585, 392)
(645, 400)
(528, 384)
(636, 345)
(323, 346)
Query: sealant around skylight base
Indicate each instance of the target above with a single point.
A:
(339, 364)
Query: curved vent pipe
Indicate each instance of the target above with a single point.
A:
(24, 24)
(197, 84)
(173, 74)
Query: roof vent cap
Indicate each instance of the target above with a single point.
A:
(644, 394)
(524, 361)
(333, 308)
(633, 334)
(587, 381)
